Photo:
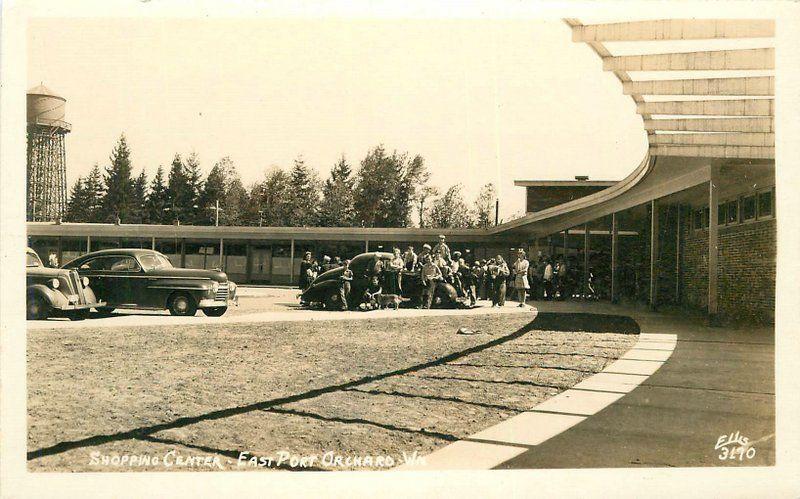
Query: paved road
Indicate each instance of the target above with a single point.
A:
(718, 381)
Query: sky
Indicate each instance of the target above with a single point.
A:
(481, 100)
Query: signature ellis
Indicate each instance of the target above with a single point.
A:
(734, 446)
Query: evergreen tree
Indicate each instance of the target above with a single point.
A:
(272, 199)
(303, 195)
(118, 199)
(77, 205)
(139, 201)
(95, 193)
(450, 211)
(181, 196)
(336, 208)
(194, 180)
(158, 200)
(213, 192)
(386, 187)
(485, 205)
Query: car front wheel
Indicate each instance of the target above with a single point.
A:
(37, 308)
(105, 310)
(215, 311)
(182, 304)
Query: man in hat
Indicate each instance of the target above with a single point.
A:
(441, 249)
(423, 254)
(326, 263)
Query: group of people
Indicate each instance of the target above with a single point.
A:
(486, 279)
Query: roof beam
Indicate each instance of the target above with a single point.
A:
(708, 151)
(738, 107)
(674, 29)
(712, 125)
(717, 139)
(754, 85)
(742, 59)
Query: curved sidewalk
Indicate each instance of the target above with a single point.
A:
(717, 382)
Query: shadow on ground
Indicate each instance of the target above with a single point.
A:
(589, 323)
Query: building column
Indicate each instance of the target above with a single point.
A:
(653, 254)
(566, 243)
(586, 259)
(248, 264)
(221, 255)
(59, 251)
(291, 262)
(713, 248)
(614, 259)
(153, 243)
(88, 244)
(366, 246)
(678, 254)
(183, 253)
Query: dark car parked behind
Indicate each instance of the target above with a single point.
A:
(52, 292)
(145, 279)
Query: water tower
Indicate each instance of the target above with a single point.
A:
(47, 169)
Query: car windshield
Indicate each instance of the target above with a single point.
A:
(154, 261)
(32, 260)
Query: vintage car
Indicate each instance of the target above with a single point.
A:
(53, 292)
(324, 290)
(145, 279)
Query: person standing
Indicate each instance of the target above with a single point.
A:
(431, 275)
(548, 280)
(479, 269)
(52, 259)
(345, 283)
(501, 273)
(393, 275)
(442, 249)
(521, 277)
(410, 259)
(563, 288)
(305, 268)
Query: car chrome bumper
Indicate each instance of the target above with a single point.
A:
(210, 302)
(81, 306)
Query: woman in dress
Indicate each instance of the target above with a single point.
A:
(305, 266)
(521, 277)
(500, 272)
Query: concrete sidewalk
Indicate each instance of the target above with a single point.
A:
(718, 381)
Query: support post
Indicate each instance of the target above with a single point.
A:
(586, 259)
(183, 253)
(678, 254)
(153, 243)
(614, 259)
(366, 246)
(59, 251)
(713, 245)
(653, 254)
(221, 255)
(88, 244)
(566, 241)
(248, 265)
(291, 262)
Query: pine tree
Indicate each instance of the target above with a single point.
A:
(77, 207)
(139, 201)
(484, 210)
(303, 195)
(117, 202)
(95, 193)
(213, 191)
(181, 196)
(336, 208)
(450, 211)
(272, 199)
(158, 200)
(194, 180)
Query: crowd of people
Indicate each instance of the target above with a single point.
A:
(483, 279)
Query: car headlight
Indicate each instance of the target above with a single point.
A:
(54, 283)
(85, 282)
(231, 286)
(214, 286)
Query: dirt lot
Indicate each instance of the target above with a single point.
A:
(348, 388)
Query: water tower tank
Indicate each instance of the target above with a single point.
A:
(45, 107)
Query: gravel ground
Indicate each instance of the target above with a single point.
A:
(345, 388)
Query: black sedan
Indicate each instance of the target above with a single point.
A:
(324, 290)
(145, 279)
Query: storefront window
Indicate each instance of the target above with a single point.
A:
(733, 211)
(722, 213)
(749, 208)
(765, 204)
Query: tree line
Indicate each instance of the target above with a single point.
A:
(386, 190)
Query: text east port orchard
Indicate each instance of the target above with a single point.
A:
(281, 459)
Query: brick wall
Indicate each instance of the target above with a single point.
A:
(746, 272)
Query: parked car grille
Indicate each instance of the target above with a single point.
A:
(77, 285)
(222, 292)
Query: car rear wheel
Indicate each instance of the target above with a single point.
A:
(37, 307)
(182, 304)
(215, 311)
(105, 310)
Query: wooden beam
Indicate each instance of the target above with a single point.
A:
(674, 29)
(706, 151)
(711, 125)
(291, 262)
(753, 85)
(694, 61)
(678, 253)
(732, 107)
(717, 139)
(586, 250)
